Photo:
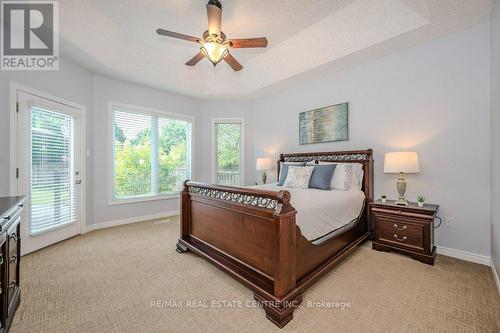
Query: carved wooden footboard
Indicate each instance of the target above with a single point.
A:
(252, 235)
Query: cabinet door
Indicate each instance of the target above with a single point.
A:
(12, 263)
(13, 281)
(3, 278)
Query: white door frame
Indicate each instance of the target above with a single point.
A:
(214, 143)
(14, 88)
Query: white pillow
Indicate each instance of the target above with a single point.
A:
(298, 177)
(347, 176)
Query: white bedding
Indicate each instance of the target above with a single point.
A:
(320, 212)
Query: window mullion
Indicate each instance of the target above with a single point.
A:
(113, 161)
(155, 188)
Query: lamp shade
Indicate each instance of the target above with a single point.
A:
(264, 163)
(214, 51)
(403, 161)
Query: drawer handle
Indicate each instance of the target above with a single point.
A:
(400, 239)
(12, 285)
(6, 218)
(13, 259)
(396, 226)
(13, 237)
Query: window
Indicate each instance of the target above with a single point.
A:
(151, 153)
(228, 143)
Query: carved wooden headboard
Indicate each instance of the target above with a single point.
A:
(365, 157)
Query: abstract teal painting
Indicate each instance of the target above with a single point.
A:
(330, 123)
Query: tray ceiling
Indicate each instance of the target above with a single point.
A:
(117, 37)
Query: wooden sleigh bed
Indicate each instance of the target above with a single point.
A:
(251, 234)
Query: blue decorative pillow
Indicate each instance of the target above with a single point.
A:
(322, 176)
(284, 170)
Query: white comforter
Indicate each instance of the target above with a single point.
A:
(320, 212)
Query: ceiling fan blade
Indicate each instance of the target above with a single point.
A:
(177, 35)
(196, 59)
(214, 13)
(233, 62)
(248, 42)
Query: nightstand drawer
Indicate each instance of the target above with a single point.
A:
(399, 212)
(396, 232)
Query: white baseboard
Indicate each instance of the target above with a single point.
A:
(114, 223)
(495, 276)
(464, 255)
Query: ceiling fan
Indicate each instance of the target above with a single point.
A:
(214, 44)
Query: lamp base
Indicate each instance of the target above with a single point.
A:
(264, 177)
(401, 185)
(402, 202)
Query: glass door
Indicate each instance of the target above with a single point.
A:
(228, 152)
(49, 164)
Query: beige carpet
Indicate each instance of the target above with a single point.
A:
(106, 280)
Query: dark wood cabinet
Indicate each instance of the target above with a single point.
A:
(405, 229)
(10, 255)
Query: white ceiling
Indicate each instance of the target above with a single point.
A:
(117, 37)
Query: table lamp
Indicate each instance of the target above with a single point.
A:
(264, 164)
(401, 162)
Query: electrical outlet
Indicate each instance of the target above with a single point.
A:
(448, 220)
(103, 203)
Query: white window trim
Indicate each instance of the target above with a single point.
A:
(151, 112)
(240, 121)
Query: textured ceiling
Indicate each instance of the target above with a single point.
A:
(117, 37)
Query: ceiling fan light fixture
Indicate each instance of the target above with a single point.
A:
(214, 51)
(214, 44)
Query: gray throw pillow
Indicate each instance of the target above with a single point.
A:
(284, 170)
(322, 176)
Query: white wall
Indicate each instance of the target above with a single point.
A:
(78, 85)
(226, 109)
(70, 82)
(108, 89)
(495, 136)
(433, 99)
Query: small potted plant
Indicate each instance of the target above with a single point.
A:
(420, 201)
(383, 198)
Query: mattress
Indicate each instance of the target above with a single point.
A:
(323, 214)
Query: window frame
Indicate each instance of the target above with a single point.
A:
(216, 121)
(113, 106)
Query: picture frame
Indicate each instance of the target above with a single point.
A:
(325, 124)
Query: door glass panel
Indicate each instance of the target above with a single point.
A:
(52, 190)
(228, 153)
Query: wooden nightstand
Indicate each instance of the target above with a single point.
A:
(405, 229)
